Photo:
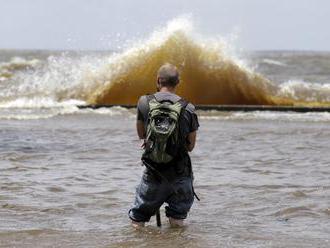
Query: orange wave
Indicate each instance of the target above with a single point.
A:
(207, 76)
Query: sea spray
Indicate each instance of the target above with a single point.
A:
(209, 73)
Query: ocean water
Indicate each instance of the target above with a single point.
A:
(68, 175)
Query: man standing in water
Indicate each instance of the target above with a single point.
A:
(168, 176)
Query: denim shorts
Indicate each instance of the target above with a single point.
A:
(152, 192)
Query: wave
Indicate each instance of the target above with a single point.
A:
(209, 74)
(265, 116)
(54, 81)
(8, 69)
(273, 62)
(26, 113)
(305, 91)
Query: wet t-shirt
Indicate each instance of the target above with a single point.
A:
(190, 120)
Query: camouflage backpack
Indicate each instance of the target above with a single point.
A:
(164, 139)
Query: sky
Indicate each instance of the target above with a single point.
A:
(105, 24)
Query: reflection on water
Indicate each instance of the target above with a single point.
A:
(70, 180)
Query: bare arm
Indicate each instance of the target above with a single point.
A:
(191, 138)
(140, 129)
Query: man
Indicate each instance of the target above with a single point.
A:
(170, 182)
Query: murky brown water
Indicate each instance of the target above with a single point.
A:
(68, 181)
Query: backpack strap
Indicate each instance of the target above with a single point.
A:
(182, 101)
(149, 98)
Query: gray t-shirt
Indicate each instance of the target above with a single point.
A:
(190, 120)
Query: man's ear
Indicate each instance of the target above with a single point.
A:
(158, 84)
(177, 82)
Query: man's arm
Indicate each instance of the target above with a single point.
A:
(141, 108)
(193, 127)
(191, 141)
(140, 129)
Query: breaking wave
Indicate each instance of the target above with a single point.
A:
(209, 73)
(8, 69)
(305, 91)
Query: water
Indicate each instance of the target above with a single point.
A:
(68, 176)
(69, 181)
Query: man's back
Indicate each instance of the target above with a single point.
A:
(189, 123)
(165, 182)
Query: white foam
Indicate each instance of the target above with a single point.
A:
(22, 110)
(35, 113)
(43, 102)
(60, 78)
(113, 111)
(17, 63)
(305, 91)
(273, 62)
(269, 116)
(26, 117)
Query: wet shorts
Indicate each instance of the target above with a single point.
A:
(152, 192)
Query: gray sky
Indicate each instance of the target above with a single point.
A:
(95, 24)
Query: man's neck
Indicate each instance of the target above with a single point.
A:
(167, 89)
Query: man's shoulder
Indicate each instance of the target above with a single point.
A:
(143, 106)
(190, 107)
(142, 97)
(143, 100)
(167, 96)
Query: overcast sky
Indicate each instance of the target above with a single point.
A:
(103, 24)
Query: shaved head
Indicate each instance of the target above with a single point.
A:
(168, 75)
